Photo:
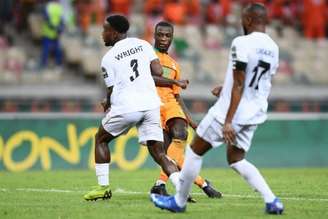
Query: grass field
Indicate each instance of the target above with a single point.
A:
(58, 194)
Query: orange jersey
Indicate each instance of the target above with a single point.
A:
(171, 70)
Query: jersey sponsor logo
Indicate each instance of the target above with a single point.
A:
(128, 52)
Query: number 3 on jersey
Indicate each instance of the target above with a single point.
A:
(261, 68)
(134, 66)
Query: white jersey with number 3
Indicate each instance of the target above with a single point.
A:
(126, 66)
(261, 56)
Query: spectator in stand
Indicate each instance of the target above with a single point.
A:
(175, 12)
(246, 2)
(21, 11)
(83, 12)
(6, 11)
(152, 6)
(193, 9)
(153, 10)
(86, 10)
(217, 11)
(314, 18)
(284, 11)
(120, 6)
(52, 27)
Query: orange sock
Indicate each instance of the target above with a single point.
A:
(176, 153)
(199, 181)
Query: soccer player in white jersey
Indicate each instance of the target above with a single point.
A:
(242, 104)
(132, 100)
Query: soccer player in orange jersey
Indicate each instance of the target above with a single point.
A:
(174, 114)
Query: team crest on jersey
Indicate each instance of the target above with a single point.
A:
(166, 72)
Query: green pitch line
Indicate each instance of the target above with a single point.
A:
(58, 194)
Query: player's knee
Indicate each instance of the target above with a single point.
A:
(180, 133)
(233, 158)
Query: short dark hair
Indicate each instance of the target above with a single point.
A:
(118, 23)
(259, 12)
(164, 24)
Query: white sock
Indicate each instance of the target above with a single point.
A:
(204, 184)
(102, 172)
(160, 182)
(188, 174)
(254, 178)
(174, 177)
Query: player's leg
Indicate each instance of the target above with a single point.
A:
(159, 186)
(102, 159)
(209, 132)
(151, 133)
(112, 127)
(179, 133)
(175, 140)
(191, 168)
(157, 152)
(236, 159)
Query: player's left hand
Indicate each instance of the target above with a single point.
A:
(217, 91)
(182, 83)
(193, 125)
(229, 134)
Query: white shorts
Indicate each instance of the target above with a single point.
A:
(147, 122)
(210, 130)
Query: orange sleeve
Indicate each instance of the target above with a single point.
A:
(177, 89)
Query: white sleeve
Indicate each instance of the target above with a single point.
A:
(108, 73)
(238, 52)
(276, 66)
(150, 51)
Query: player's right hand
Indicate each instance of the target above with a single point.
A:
(229, 134)
(217, 91)
(182, 83)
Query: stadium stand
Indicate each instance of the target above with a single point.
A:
(200, 46)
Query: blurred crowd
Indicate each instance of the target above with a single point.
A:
(44, 42)
(307, 16)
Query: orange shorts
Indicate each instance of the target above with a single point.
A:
(170, 110)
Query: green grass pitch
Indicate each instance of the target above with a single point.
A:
(58, 194)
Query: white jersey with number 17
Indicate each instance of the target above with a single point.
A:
(260, 54)
(126, 67)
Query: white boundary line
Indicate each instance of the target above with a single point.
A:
(126, 192)
(91, 115)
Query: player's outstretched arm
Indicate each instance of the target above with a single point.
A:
(186, 112)
(156, 71)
